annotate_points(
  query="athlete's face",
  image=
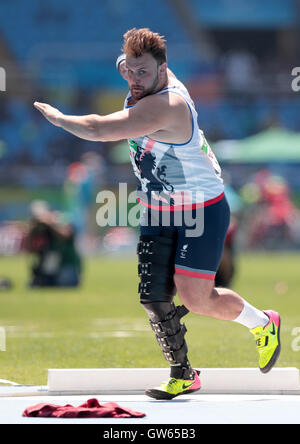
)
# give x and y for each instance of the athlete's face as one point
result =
(145, 76)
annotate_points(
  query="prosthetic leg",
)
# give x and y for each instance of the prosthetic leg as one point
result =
(157, 290)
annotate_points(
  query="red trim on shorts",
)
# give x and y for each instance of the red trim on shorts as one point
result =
(193, 206)
(195, 274)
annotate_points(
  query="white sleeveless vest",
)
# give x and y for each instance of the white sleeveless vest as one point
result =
(171, 175)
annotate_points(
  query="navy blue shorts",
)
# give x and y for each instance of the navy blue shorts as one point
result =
(199, 246)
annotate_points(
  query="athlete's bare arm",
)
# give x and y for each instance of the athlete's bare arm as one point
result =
(161, 115)
(146, 117)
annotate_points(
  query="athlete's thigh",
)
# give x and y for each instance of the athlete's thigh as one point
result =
(200, 256)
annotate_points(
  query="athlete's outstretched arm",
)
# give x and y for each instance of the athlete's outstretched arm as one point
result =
(150, 114)
(80, 126)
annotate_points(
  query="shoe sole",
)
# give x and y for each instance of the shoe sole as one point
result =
(276, 353)
(159, 394)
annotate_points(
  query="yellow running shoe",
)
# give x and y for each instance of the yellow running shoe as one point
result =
(268, 341)
(174, 387)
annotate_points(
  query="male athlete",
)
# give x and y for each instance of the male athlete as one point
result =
(178, 175)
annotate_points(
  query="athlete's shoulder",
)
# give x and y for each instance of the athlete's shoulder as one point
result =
(168, 109)
(157, 102)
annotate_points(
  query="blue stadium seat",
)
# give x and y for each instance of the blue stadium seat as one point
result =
(72, 46)
(43, 25)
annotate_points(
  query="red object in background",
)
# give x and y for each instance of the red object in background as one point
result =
(231, 232)
(77, 172)
(12, 238)
(90, 409)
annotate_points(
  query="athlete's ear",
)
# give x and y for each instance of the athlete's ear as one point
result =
(163, 68)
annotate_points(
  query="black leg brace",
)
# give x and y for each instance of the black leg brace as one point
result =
(165, 322)
(157, 290)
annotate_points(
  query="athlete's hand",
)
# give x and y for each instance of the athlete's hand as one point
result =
(51, 114)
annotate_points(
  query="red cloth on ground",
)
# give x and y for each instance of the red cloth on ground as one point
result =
(90, 409)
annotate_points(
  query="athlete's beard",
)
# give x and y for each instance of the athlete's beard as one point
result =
(145, 92)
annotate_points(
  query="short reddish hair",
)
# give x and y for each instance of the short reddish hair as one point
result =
(140, 41)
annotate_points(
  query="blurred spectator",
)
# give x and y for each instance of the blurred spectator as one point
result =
(273, 218)
(52, 242)
(241, 71)
(80, 189)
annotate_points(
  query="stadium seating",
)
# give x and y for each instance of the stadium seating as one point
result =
(68, 47)
(82, 41)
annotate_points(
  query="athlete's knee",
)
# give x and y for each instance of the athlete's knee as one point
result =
(193, 287)
(196, 294)
(156, 256)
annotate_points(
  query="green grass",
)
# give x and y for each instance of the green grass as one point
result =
(101, 324)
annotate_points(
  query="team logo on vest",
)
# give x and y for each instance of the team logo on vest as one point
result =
(132, 144)
(148, 172)
(183, 251)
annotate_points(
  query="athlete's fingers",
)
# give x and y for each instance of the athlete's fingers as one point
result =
(48, 112)
(41, 106)
(41, 103)
(45, 108)
(38, 104)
